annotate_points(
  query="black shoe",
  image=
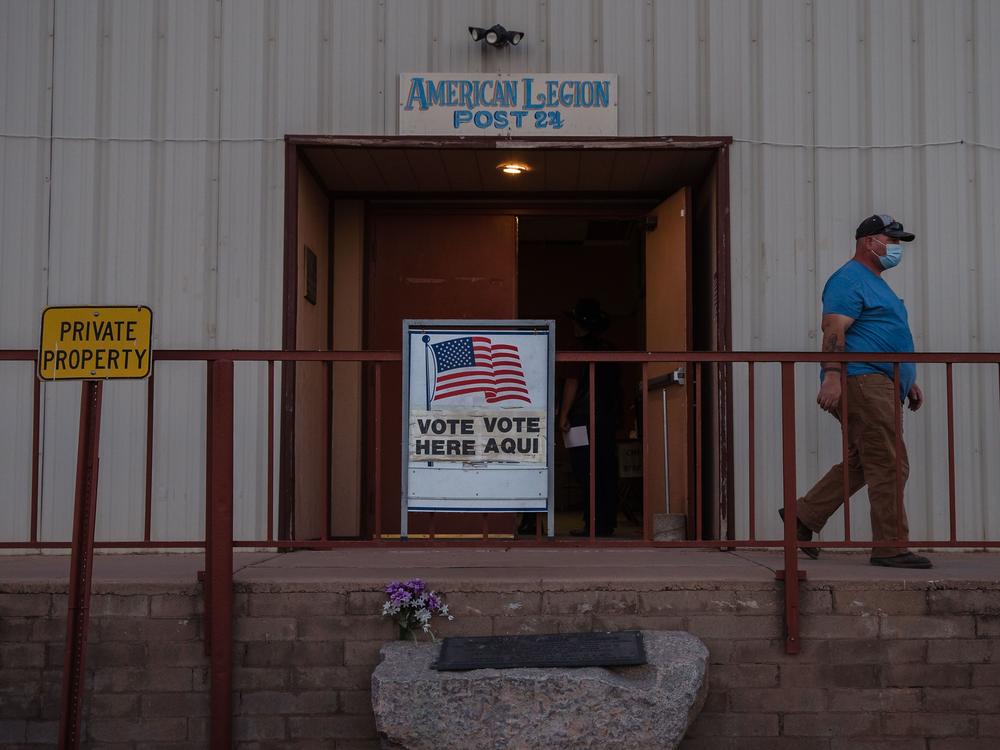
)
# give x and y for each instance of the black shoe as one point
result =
(905, 560)
(526, 528)
(804, 534)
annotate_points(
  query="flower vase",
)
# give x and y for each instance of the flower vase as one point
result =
(406, 634)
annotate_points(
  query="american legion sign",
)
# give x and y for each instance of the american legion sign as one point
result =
(534, 104)
(477, 416)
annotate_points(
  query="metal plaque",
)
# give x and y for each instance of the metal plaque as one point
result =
(620, 649)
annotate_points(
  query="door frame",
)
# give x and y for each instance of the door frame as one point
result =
(294, 152)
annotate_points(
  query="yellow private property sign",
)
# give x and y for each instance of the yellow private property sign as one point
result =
(95, 343)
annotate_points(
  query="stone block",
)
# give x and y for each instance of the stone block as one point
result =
(734, 725)
(114, 705)
(589, 602)
(180, 606)
(251, 678)
(25, 605)
(496, 604)
(957, 601)
(764, 626)
(265, 629)
(15, 629)
(988, 626)
(637, 622)
(962, 700)
(129, 680)
(532, 625)
(954, 651)
(870, 602)
(112, 605)
(12, 730)
(296, 605)
(871, 651)
(117, 654)
(175, 704)
(177, 654)
(989, 726)
(649, 706)
(830, 675)
(365, 602)
(928, 626)
(838, 626)
(741, 676)
(962, 743)
(925, 725)
(332, 727)
(43, 733)
(928, 675)
(133, 730)
(22, 656)
(768, 700)
(986, 675)
(288, 702)
(830, 725)
(355, 701)
(681, 602)
(355, 628)
(258, 728)
(877, 699)
(332, 678)
(359, 653)
(144, 629)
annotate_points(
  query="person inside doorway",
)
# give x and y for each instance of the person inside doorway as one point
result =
(590, 322)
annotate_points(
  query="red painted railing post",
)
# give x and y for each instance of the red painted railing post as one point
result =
(219, 549)
(81, 563)
(791, 572)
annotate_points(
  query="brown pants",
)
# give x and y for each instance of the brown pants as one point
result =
(871, 460)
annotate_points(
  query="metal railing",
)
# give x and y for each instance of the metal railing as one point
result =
(219, 541)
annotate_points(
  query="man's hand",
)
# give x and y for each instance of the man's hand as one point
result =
(829, 392)
(916, 397)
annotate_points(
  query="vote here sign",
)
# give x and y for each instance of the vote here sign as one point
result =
(95, 343)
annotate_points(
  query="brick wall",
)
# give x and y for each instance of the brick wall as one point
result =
(880, 666)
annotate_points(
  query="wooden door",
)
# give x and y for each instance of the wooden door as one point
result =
(668, 328)
(461, 266)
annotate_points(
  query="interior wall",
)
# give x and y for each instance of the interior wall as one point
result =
(348, 329)
(311, 395)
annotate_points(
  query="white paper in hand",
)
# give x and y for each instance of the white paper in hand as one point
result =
(576, 437)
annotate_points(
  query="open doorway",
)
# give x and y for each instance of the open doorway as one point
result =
(640, 226)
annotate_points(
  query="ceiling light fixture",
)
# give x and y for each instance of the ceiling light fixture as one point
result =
(513, 168)
(496, 36)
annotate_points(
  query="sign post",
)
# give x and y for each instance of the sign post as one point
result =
(478, 416)
(89, 344)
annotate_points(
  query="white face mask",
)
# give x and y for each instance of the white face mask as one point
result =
(893, 254)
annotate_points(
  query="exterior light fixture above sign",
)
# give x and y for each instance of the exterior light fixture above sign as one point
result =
(513, 168)
(496, 36)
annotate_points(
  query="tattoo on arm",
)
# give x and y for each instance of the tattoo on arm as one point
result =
(833, 342)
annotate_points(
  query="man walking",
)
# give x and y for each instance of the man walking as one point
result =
(861, 313)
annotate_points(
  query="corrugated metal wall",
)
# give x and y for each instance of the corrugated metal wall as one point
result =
(141, 160)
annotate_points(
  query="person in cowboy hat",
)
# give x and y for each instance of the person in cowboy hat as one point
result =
(590, 321)
(861, 313)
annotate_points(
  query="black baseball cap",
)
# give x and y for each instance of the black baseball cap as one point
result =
(883, 224)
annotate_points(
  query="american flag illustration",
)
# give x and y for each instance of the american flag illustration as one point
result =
(474, 364)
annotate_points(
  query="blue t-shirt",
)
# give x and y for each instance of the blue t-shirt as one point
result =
(880, 320)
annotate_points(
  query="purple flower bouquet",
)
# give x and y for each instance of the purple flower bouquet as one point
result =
(412, 606)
